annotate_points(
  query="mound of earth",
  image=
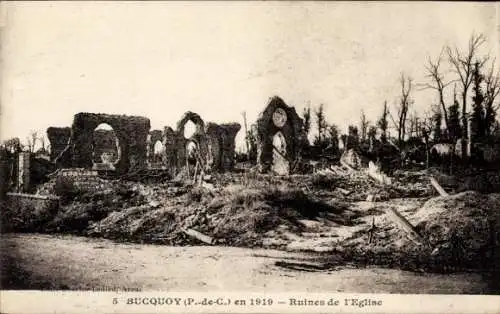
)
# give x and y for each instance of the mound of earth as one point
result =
(459, 232)
(236, 215)
(462, 228)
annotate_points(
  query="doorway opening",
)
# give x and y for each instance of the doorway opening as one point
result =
(280, 164)
(105, 148)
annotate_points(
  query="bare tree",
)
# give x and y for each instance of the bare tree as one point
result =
(33, 137)
(42, 142)
(383, 123)
(13, 145)
(321, 124)
(414, 125)
(426, 129)
(333, 136)
(372, 132)
(436, 120)
(492, 81)
(404, 105)
(306, 114)
(29, 144)
(363, 125)
(438, 83)
(463, 66)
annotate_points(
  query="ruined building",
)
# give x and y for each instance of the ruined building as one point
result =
(213, 144)
(127, 144)
(125, 150)
(169, 146)
(280, 137)
(105, 147)
(221, 144)
(156, 154)
(59, 139)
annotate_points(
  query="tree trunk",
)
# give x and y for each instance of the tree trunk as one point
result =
(427, 153)
(464, 124)
(453, 148)
(445, 112)
(469, 138)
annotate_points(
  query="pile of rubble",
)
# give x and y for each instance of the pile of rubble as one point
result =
(251, 209)
(445, 233)
(360, 185)
(235, 215)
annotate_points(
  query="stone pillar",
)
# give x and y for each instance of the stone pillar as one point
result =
(23, 180)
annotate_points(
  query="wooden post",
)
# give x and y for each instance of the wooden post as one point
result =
(438, 187)
(371, 231)
(404, 225)
(198, 235)
(343, 163)
(195, 171)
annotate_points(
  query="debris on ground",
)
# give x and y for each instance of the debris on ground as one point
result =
(359, 215)
(456, 232)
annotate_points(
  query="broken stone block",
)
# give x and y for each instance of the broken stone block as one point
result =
(352, 159)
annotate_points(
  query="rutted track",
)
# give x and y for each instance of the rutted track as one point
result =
(33, 261)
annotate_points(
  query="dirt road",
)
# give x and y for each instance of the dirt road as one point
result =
(32, 261)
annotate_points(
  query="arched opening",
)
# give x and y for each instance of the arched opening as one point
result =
(158, 151)
(191, 152)
(106, 148)
(189, 129)
(280, 165)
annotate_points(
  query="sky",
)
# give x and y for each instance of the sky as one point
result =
(218, 59)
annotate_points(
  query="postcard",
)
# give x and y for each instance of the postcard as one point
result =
(249, 157)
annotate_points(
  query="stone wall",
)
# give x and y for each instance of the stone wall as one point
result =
(229, 144)
(170, 146)
(155, 160)
(221, 145)
(83, 179)
(131, 131)
(105, 142)
(199, 138)
(59, 139)
(291, 129)
(215, 143)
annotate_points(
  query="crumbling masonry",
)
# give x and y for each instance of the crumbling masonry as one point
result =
(280, 137)
(74, 147)
(155, 161)
(215, 143)
(131, 131)
(59, 139)
(130, 144)
(221, 144)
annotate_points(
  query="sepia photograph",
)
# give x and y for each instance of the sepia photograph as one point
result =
(250, 146)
